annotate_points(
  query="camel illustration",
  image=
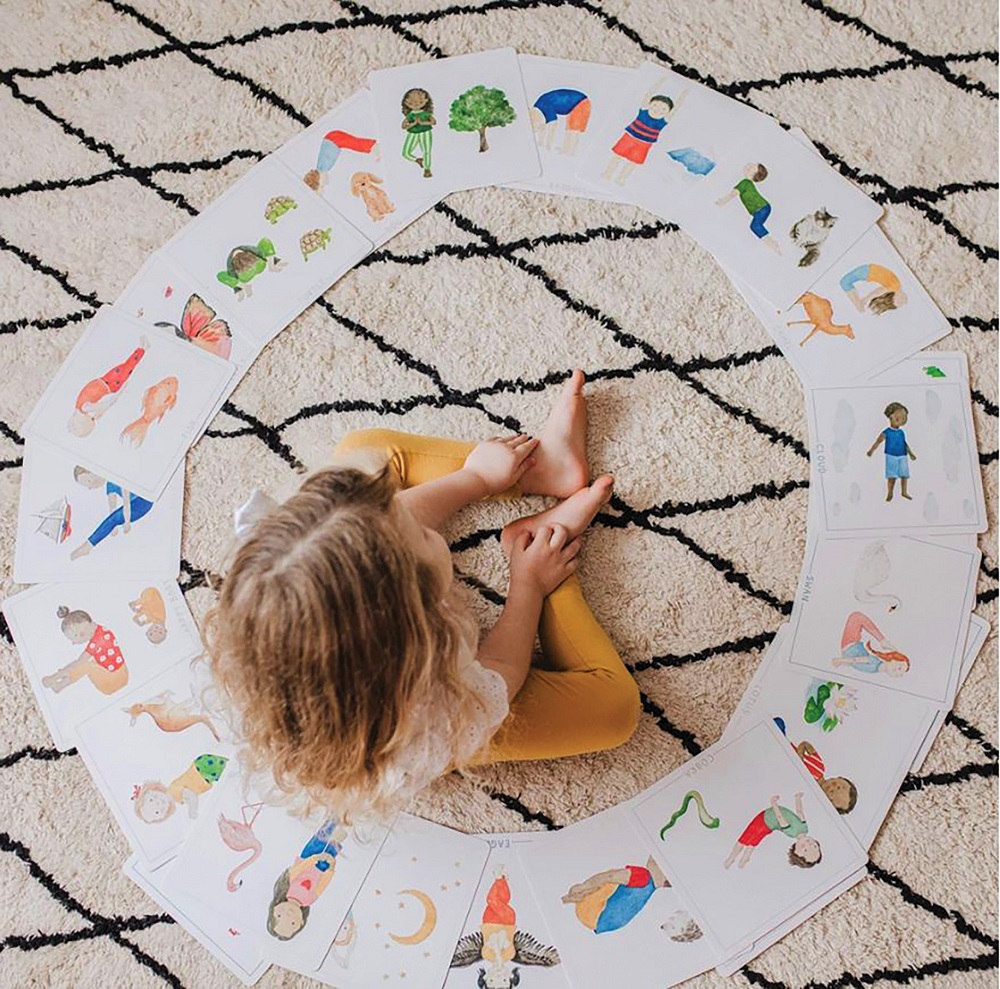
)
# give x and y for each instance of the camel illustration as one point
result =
(239, 836)
(819, 315)
(874, 569)
(171, 715)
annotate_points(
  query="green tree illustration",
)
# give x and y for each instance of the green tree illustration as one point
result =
(479, 108)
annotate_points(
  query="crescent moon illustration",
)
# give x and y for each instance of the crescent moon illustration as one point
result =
(426, 929)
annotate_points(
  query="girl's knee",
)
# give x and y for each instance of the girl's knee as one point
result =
(366, 439)
(621, 711)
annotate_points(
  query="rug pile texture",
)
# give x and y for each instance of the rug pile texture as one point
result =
(121, 120)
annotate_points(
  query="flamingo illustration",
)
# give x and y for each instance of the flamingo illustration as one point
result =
(873, 569)
(239, 836)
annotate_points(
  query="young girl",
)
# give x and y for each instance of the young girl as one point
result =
(101, 661)
(418, 121)
(857, 651)
(349, 656)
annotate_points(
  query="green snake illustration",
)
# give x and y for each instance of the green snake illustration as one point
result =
(703, 815)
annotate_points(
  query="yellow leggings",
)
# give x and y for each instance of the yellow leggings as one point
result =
(581, 698)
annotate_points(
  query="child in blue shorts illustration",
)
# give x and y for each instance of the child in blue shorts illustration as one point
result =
(754, 203)
(897, 452)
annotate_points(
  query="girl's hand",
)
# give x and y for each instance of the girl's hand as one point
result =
(544, 560)
(499, 462)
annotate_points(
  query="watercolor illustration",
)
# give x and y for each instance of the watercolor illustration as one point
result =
(829, 703)
(97, 396)
(810, 233)
(887, 294)
(154, 803)
(427, 925)
(304, 881)
(703, 815)
(754, 203)
(368, 188)
(858, 652)
(345, 942)
(934, 372)
(170, 715)
(418, 123)
(609, 900)
(277, 207)
(805, 851)
(692, 160)
(819, 315)
(872, 570)
(239, 837)
(333, 144)
(314, 240)
(478, 109)
(898, 453)
(150, 613)
(499, 943)
(201, 326)
(245, 263)
(124, 508)
(840, 791)
(101, 661)
(157, 401)
(55, 521)
(569, 105)
(632, 148)
(681, 927)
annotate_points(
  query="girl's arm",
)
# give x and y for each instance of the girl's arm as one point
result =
(538, 565)
(878, 442)
(127, 509)
(798, 808)
(492, 467)
(909, 450)
(580, 890)
(782, 820)
(725, 199)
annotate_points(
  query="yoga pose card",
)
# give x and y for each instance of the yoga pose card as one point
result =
(156, 754)
(454, 123)
(569, 105)
(240, 953)
(857, 741)
(83, 643)
(340, 158)
(865, 314)
(898, 453)
(266, 249)
(403, 926)
(892, 612)
(506, 939)
(610, 907)
(74, 524)
(748, 839)
(128, 401)
(286, 880)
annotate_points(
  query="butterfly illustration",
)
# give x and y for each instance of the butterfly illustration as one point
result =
(200, 326)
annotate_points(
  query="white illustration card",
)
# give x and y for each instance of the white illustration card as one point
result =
(340, 157)
(892, 612)
(454, 123)
(285, 880)
(403, 926)
(610, 907)
(866, 313)
(84, 643)
(898, 453)
(240, 953)
(661, 138)
(747, 838)
(506, 940)
(266, 249)
(129, 400)
(837, 728)
(569, 104)
(156, 755)
(74, 524)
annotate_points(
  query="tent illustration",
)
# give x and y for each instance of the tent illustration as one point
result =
(53, 521)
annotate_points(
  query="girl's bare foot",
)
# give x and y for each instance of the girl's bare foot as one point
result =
(576, 513)
(561, 458)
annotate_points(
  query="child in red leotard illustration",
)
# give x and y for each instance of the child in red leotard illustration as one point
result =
(97, 396)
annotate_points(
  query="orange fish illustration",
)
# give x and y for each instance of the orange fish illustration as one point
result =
(157, 401)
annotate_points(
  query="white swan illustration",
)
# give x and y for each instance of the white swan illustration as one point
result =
(873, 569)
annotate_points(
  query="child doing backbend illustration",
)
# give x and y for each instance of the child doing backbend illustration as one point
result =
(611, 899)
(887, 295)
(101, 661)
(804, 852)
(857, 651)
(97, 396)
(402, 689)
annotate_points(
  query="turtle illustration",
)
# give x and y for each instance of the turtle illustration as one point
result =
(313, 240)
(245, 263)
(277, 207)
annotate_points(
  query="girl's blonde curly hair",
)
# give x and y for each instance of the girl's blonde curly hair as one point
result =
(335, 645)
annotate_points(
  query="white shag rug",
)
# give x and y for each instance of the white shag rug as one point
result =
(121, 119)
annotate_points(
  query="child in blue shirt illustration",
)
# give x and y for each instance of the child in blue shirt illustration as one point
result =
(897, 452)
